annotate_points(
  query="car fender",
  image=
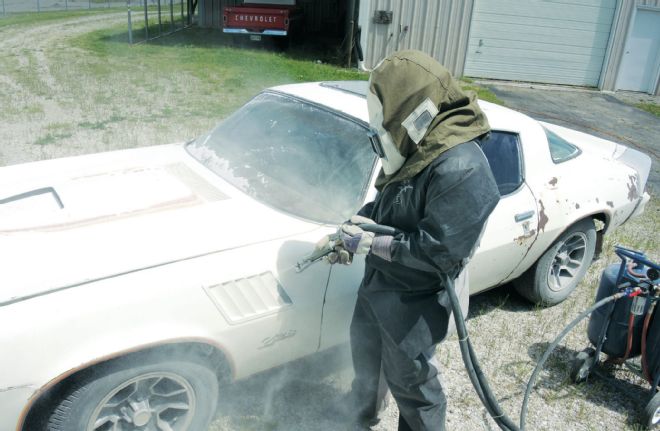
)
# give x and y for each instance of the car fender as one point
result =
(146, 305)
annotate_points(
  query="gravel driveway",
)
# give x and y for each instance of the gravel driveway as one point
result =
(44, 115)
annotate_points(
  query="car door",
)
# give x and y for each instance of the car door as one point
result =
(513, 225)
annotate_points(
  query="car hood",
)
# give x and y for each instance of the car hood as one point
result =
(67, 222)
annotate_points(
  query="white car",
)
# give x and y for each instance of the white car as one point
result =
(134, 281)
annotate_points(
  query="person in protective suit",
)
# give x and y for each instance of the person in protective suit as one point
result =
(437, 189)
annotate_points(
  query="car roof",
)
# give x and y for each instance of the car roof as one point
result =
(348, 97)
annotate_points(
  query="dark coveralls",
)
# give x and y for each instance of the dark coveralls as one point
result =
(402, 311)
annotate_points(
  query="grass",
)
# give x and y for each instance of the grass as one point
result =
(483, 93)
(30, 18)
(649, 107)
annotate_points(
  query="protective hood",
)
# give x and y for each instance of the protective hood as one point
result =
(421, 110)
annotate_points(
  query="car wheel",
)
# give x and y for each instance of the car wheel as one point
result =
(651, 413)
(559, 270)
(171, 395)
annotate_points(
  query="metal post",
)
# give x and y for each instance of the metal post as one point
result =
(66, 4)
(89, 4)
(108, 3)
(130, 24)
(171, 16)
(38, 6)
(183, 23)
(160, 23)
(3, 8)
(146, 21)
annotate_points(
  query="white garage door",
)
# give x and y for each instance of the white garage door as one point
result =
(560, 42)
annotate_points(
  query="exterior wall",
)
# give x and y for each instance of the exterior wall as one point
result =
(620, 30)
(437, 27)
(210, 12)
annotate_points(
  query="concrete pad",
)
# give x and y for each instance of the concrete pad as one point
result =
(589, 111)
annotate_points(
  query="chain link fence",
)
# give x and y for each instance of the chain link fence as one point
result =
(17, 6)
(147, 19)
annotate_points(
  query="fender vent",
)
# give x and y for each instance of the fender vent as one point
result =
(249, 298)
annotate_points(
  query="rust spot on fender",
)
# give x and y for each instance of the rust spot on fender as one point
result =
(597, 200)
(521, 239)
(632, 188)
(610, 204)
(553, 181)
(577, 206)
(543, 219)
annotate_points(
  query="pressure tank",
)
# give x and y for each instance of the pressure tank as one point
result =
(653, 346)
(617, 333)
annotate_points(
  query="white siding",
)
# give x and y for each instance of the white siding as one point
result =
(437, 27)
(553, 41)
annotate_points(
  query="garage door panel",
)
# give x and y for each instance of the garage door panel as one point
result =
(545, 70)
(530, 47)
(488, 31)
(568, 79)
(504, 20)
(549, 10)
(505, 4)
(564, 60)
(562, 42)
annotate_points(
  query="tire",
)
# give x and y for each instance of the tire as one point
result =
(582, 364)
(651, 414)
(559, 270)
(140, 397)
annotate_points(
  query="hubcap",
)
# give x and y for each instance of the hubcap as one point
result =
(568, 261)
(151, 402)
(656, 416)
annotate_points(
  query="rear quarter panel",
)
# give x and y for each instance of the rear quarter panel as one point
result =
(591, 183)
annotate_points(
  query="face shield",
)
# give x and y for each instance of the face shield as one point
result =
(381, 140)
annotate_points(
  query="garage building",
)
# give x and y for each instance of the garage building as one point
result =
(609, 44)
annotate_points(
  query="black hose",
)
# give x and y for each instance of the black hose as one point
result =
(472, 366)
(567, 329)
(477, 376)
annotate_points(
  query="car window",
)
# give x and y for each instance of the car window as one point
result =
(502, 149)
(292, 155)
(560, 149)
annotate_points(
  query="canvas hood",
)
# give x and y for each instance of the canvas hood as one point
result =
(406, 82)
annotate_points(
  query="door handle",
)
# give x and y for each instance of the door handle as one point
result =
(524, 216)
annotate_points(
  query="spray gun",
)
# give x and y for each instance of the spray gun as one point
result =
(334, 240)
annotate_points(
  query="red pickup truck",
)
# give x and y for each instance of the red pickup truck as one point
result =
(262, 19)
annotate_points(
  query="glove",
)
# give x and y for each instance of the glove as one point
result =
(337, 255)
(354, 239)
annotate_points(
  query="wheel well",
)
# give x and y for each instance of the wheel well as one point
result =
(201, 353)
(601, 221)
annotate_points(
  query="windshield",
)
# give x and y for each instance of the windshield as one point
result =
(292, 156)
